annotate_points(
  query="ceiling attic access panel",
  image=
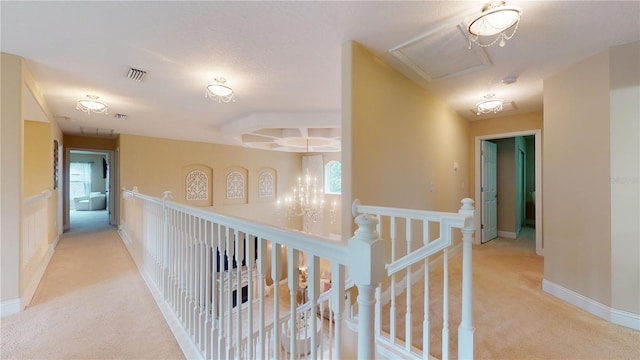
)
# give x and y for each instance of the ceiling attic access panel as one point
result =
(441, 54)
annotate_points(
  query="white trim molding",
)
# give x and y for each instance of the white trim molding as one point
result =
(37, 277)
(618, 317)
(10, 307)
(15, 306)
(506, 234)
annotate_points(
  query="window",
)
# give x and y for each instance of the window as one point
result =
(333, 178)
(79, 179)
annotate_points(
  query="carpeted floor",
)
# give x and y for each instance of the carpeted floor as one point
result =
(91, 304)
(514, 318)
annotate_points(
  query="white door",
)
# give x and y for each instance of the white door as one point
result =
(489, 191)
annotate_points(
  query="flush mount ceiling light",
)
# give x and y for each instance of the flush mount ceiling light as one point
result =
(496, 18)
(217, 90)
(489, 105)
(91, 105)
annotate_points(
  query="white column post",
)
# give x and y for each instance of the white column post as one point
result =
(466, 343)
(367, 270)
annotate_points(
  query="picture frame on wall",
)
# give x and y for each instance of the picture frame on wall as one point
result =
(55, 164)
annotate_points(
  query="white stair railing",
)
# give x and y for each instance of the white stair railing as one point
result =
(211, 272)
(414, 239)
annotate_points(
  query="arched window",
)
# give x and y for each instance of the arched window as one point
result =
(333, 178)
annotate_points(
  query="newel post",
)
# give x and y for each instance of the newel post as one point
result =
(165, 243)
(367, 254)
(466, 343)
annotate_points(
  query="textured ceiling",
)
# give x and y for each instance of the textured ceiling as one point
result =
(280, 57)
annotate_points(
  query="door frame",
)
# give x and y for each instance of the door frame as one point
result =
(478, 181)
(114, 194)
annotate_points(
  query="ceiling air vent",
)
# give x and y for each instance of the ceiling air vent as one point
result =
(136, 74)
(120, 116)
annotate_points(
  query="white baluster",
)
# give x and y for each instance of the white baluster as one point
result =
(262, 269)
(239, 249)
(251, 250)
(229, 289)
(425, 323)
(276, 275)
(208, 291)
(445, 302)
(314, 291)
(222, 346)
(201, 274)
(407, 318)
(392, 309)
(337, 305)
(189, 267)
(293, 278)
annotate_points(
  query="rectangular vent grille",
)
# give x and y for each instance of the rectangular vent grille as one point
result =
(136, 74)
(97, 132)
(120, 116)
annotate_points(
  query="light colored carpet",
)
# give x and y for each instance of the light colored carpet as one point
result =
(514, 318)
(87, 221)
(91, 304)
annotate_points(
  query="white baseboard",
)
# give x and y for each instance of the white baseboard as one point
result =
(417, 275)
(35, 280)
(10, 307)
(625, 318)
(591, 306)
(189, 349)
(507, 234)
(15, 306)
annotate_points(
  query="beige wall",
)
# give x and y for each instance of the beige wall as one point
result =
(625, 177)
(576, 170)
(402, 140)
(10, 175)
(38, 158)
(155, 165)
(27, 169)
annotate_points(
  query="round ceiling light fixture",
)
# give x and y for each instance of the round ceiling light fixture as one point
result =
(490, 104)
(495, 19)
(91, 105)
(217, 90)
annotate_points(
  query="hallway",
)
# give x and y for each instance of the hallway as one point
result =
(91, 304)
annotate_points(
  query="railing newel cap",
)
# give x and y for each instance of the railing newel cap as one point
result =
(354, 207)
(467, 204)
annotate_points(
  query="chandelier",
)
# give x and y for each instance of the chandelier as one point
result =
(489, 105)
(306, 199)
(91, 105)
(495, 19)
(217, 90)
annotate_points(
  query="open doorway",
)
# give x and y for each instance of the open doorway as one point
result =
(518, 202)
(90, 200)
